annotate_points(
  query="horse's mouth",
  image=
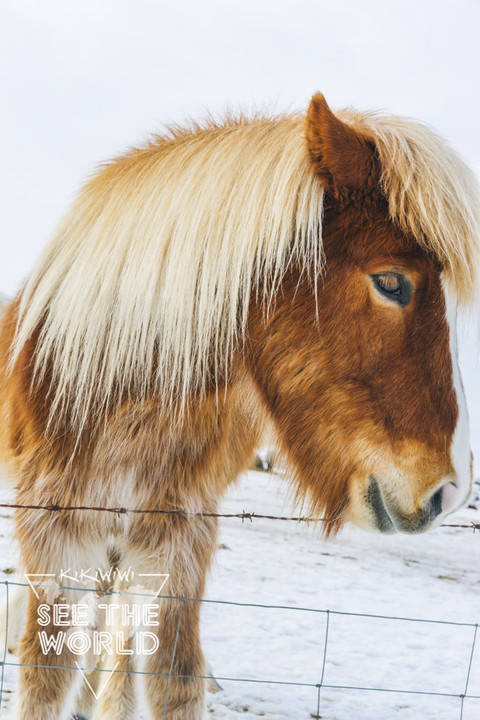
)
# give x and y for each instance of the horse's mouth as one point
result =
(389, 520)
(374, 500)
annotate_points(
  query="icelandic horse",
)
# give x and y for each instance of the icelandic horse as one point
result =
(303, 270)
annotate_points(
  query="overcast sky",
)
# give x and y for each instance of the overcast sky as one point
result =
(83, 79)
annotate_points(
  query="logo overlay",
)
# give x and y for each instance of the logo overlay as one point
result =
(103, 622)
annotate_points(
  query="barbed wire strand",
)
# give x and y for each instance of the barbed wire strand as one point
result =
(244, 515)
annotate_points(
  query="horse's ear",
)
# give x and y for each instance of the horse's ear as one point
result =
(340, 155)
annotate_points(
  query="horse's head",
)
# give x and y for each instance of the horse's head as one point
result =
(361, 376)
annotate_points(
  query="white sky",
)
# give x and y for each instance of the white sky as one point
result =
(83, 79)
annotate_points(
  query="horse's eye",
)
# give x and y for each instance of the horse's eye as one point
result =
(393, 286)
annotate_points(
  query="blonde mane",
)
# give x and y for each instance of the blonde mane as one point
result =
(148, 278)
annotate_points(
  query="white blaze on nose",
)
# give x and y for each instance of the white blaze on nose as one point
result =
(460, 447)
(450, 497)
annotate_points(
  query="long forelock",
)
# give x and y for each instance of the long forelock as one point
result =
(148, 279)
(432, 194)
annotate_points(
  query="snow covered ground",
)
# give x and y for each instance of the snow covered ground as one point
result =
(434, 576)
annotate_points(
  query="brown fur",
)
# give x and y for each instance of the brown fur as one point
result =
(348, 380)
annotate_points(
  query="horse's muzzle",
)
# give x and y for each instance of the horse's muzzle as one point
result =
(390, 520)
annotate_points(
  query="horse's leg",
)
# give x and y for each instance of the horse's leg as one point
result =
(196, 467)
(85, 704)
(44, 693)
(49, 680)
(182, 548)
(116, 692)
(191, 544)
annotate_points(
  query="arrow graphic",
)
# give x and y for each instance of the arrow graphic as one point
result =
(27, 577)
(97, 695)
(165, 577)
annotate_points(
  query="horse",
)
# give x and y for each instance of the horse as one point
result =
(301, 270)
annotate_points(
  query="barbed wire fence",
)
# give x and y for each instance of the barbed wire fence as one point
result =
(243, 515)
(461, 695)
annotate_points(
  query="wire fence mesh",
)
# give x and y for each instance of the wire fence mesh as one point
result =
(322, 682)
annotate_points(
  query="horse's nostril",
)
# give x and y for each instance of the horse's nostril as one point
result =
(436, 503)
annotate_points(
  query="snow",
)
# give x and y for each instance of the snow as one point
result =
(435, 576)
(84, 85)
